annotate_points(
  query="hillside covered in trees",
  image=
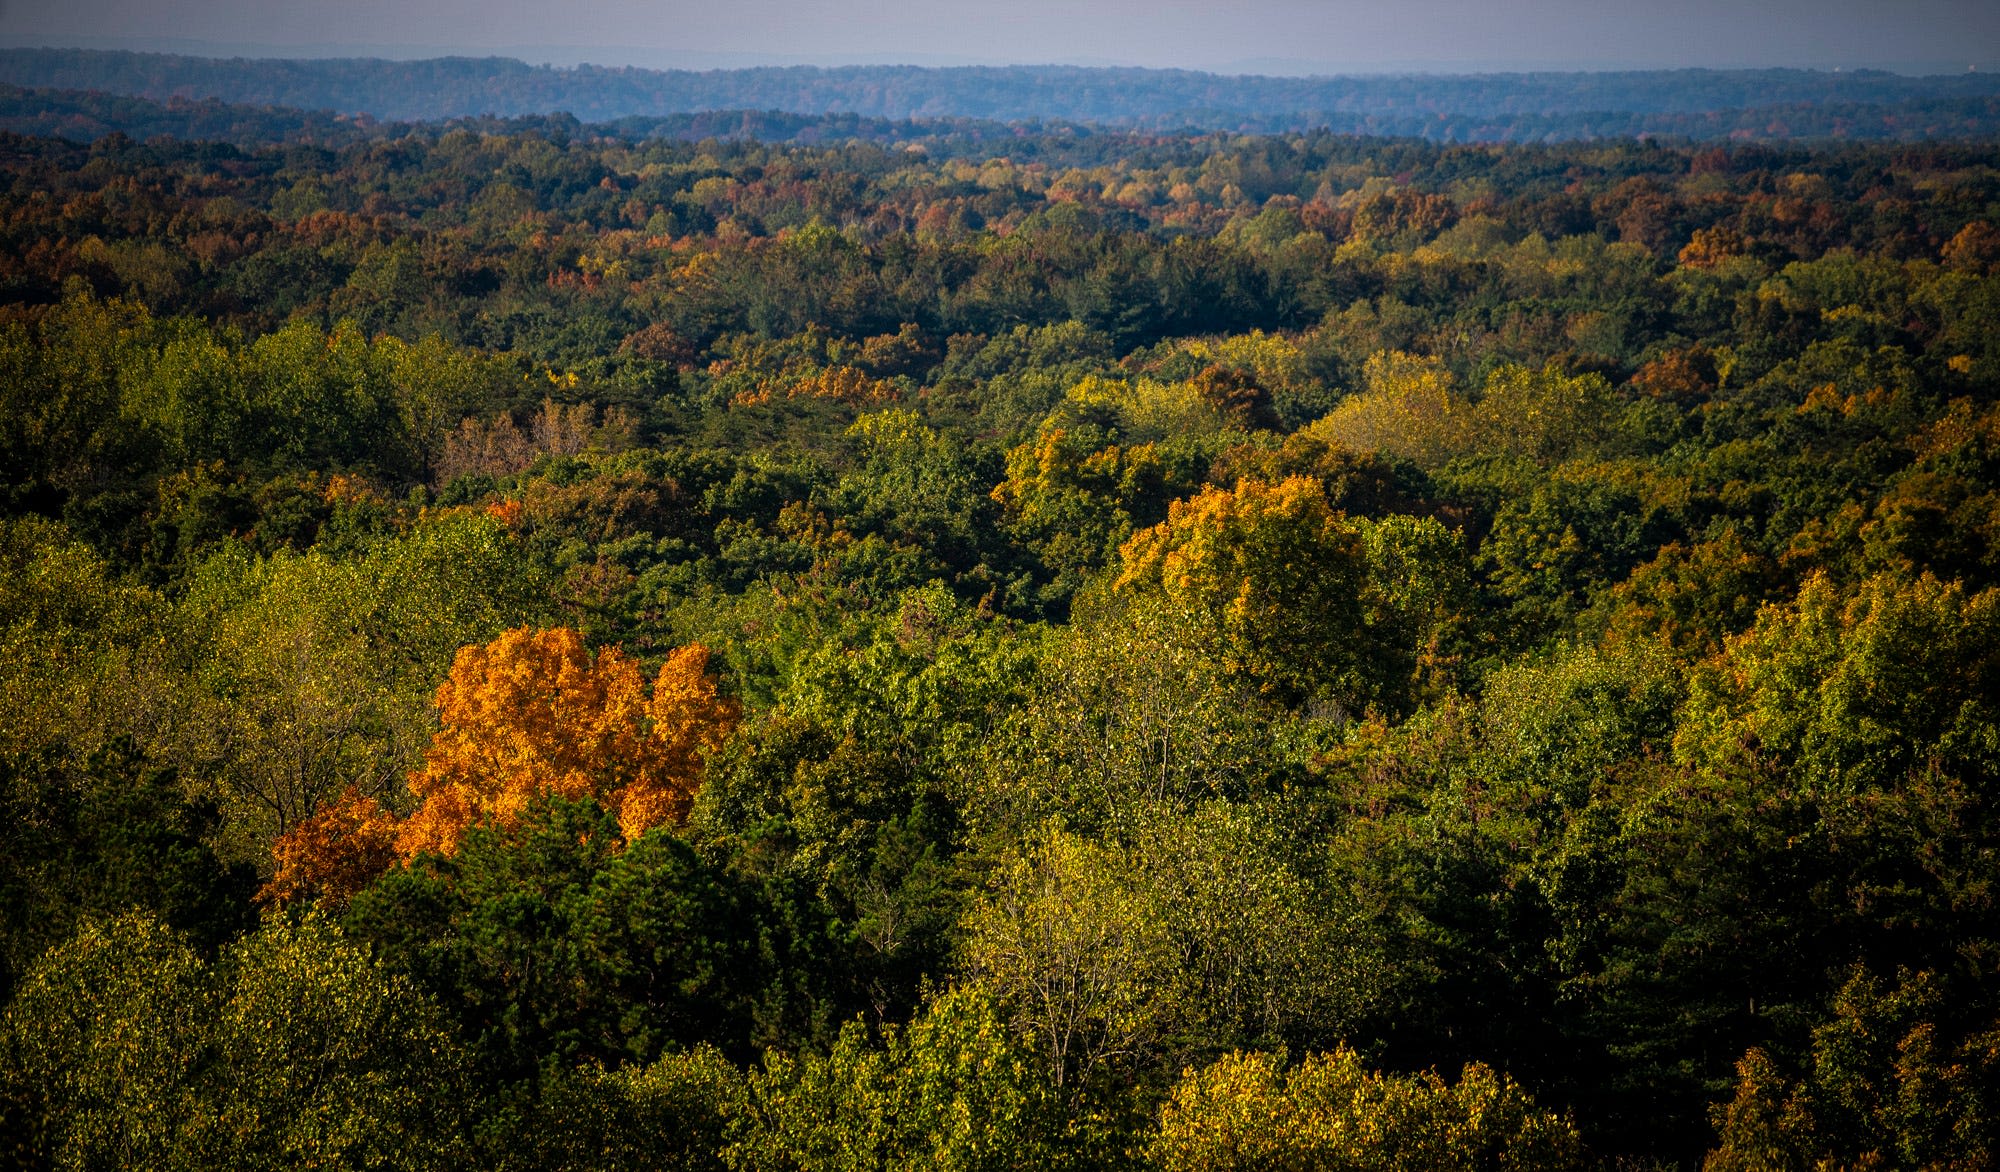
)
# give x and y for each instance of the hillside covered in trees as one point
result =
(1502, 107)
(526, 645)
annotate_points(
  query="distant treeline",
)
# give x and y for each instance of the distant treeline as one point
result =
(1763, 104)
(89, 115)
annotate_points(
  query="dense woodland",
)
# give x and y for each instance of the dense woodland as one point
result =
(1516, 107)
(559, 650)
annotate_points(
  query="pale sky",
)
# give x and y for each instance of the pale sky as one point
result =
(1272, 36)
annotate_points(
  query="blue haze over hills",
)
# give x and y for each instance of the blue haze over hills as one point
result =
(1772, 103)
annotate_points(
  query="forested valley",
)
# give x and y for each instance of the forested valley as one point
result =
(538, 648)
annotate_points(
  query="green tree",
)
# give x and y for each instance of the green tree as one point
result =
(322, 1057)
(117, 835)
(553, 941)
(1071, 943)
(312, 674)
(105, 1039)
(293, 1048)
(955, 1091)
(1899, 1076)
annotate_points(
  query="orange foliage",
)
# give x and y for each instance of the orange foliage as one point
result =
(1680, 377)
(531, 713)
(351, 490)
(334, 853)
(507, 512)
(1975, 249)
(840, 384)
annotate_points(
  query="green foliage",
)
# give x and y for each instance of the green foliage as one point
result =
(1855, 690)
(104, 1039)
(955, 1091)
(1189, 932)
(1190, 598)
(673, 1112)
(1300, 602)
(313, 674)
(1128, 706)
(121, 836)
(553, 945)
(1072, 943)
(71, 636)
(330, 1059)
(1894, 1079)
(293, 1048)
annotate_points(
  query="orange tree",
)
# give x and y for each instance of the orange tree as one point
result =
(532, 713)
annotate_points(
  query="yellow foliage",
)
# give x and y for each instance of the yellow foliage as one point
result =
(1148, 409)
(1246, 1111)
(1050, 467)
(840, 384)
(1273, 569)
(1409, 409)
(1711, 246)
(1275, 360)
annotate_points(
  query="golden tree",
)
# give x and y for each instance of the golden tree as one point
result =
(1275, 572)
(531, 713)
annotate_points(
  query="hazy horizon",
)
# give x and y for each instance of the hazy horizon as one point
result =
(1274, 37)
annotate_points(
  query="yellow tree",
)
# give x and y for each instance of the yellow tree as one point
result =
(1247, 1111)
(1276, 573)
(1408, 408)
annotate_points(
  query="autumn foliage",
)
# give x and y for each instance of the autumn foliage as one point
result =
(532, 713)
(1276, 572)
(334, 853)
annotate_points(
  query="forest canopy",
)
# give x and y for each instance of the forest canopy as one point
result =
(538, 646)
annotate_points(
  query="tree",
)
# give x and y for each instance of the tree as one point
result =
(70, 639)
(675, 1112)
(1280, 579)
(1130, 706)
(1071, 495)
(954, 1091)
(1246, 1111)
(1410, 409)
(435, 386)
(105, 1040)
(534, 712)
(553, 939)
(334, 853)
(292, 1050)
(1855, 690)
(1898, 1076)
(307, 676)
(530, 714)
(119, 835)
(321, 1057)
(1073, 945)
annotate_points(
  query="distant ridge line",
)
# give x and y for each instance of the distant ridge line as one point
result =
(1537, 106)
